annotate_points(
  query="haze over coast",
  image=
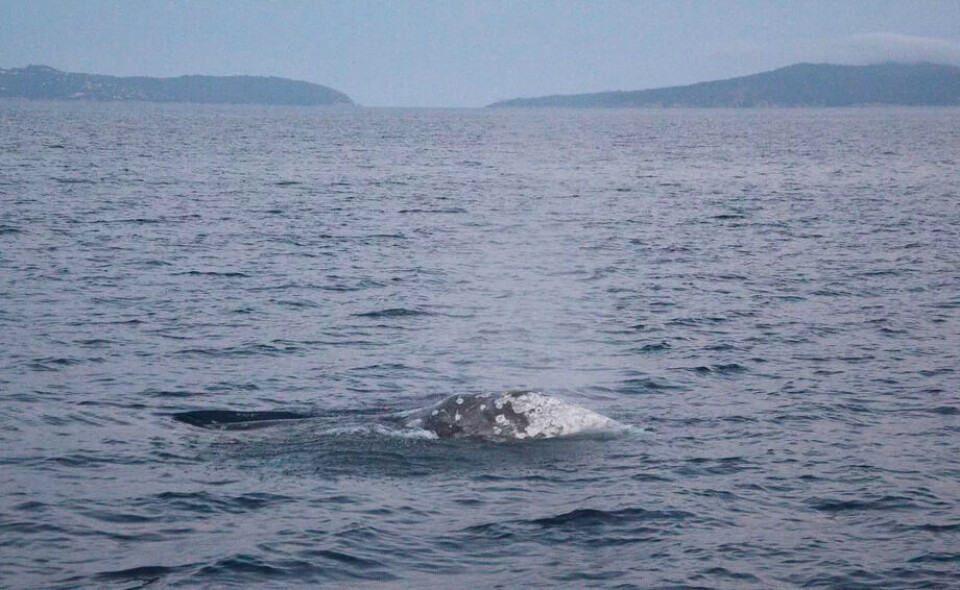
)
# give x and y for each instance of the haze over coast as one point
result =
(799, 85)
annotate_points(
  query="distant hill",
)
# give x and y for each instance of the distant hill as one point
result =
(800, 85)
(42, 82)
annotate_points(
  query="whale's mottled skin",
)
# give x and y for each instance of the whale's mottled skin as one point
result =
(514, 415)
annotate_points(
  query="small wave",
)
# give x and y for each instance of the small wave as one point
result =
(208, 503)
(133, 220)
(212, 273)
(240, 351)
(346, 558)
(937, 371)
(396, 312)
(397, 236)
(449, 211)
(339, 566)
(707, 467)
(63, 180)
(52, 363)
(118, 517)
(382, 368)
(297, 303)
(638, 385)
(144, 573)
(654, 348)
(883, 504)
(696, 321)
(344, 284)
(592, 526)
(592, 517)
(723, 572)
(95, 342)
(936, 558)
(939, 528)
(724, 369)
(31, 506)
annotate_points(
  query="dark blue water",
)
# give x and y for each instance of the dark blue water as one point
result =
(772, 298)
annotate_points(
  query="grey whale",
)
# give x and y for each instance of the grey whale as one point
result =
(512, 415)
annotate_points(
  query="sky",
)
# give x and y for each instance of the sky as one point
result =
(454, 53)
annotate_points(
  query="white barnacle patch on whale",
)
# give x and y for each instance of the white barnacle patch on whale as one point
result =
(514, 415)
(549, 417)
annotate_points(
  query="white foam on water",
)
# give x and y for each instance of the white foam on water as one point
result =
(379, 430)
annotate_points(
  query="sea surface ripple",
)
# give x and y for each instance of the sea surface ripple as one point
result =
(770, 297)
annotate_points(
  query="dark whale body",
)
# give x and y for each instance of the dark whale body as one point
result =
(477, 416)
(231, 420)
(514, 415)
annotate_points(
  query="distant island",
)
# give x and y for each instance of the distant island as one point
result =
(46, 83)
(800, 85)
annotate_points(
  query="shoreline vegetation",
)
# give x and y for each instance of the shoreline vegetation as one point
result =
(46, 83)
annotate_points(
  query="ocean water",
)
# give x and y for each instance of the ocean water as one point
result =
(770, 299)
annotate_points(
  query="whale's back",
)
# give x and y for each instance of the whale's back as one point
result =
(514, 415)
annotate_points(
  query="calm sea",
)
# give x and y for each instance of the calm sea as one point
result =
(770, 297)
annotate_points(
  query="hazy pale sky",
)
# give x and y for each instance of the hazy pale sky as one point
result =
(470, 53)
